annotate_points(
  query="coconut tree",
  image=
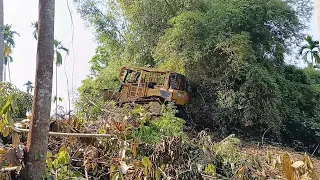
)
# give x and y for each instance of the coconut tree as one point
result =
(29, 86)
(310, 51)
(35, 32)
(58, 48)
(7, 59)
(9, 44)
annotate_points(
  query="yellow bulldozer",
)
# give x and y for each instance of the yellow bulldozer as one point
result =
(149, 86)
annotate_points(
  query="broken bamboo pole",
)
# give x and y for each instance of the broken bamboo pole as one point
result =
(58, 134)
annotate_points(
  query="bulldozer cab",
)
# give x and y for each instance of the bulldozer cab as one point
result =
(146, 84)
(177, 82)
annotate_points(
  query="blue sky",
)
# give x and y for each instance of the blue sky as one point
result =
(21, 13)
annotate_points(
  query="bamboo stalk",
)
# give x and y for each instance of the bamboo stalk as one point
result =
(57, 134)
(10, 169)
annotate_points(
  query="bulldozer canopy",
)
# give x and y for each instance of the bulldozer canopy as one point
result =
(165, 78)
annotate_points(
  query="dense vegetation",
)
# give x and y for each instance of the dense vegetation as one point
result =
(22, 101)
(233, 53)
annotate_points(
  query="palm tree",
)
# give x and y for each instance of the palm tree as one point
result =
(311, 49)
(57, 48)
(35, 32)
(9, 44)
(29, 87)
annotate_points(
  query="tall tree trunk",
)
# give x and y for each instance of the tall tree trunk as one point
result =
(69, 100)
(57, 93)
(318, 15)
(4, 73)
(1, 40)
(9, 72)
(37, 144)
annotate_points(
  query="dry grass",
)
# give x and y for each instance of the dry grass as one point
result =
(261, 152)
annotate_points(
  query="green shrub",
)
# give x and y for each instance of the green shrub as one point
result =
(23, 100)
(90, 101)
(167, 125)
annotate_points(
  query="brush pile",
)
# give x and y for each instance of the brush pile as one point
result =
(141, 146)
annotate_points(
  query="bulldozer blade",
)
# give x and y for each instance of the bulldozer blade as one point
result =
(109, 95)
(154, 107)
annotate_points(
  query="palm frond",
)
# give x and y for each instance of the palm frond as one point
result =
(35, 25)
(305, 56)
(65, 49)
(28, 83)
(11, 59)
(15, 32)
(56, 43)
(35, 32)
(309, 39)
(304, 47)
(35, 35)
(58, 58)
(7, 59)
(311, 42)
(7, 50)
(9, 36)
(315, 54)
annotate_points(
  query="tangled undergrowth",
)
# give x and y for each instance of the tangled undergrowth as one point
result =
(142, 146)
